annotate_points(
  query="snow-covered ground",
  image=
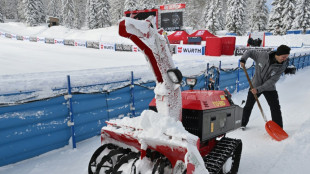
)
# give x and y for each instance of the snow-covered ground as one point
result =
(34, 66)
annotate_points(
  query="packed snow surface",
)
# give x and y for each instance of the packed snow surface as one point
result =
(34, 66)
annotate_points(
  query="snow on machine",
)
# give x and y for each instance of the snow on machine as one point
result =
(180, 133)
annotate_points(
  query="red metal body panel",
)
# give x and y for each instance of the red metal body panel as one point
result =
(201, 100)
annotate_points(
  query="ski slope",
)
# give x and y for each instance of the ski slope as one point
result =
(30, 66)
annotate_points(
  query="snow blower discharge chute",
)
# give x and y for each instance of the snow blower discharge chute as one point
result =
(181, 133)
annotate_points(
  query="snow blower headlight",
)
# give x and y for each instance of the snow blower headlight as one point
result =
(191, 81)
(175, 75)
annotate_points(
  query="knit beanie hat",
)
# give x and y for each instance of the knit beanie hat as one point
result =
(283, 49)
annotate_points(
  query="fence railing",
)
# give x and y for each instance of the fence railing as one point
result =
(30, 128)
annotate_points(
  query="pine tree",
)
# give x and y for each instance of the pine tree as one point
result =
(131, 5)
(68, 13)
(103, 14)
(288, 15)
(302, 15)
(1, 16)
(146, 4)
(235, 16)
(117, 10)
(259, 16)
(98, 14)
(193, 14)
(34, 12)
(53, 8)
(275, 18)
(212, 16)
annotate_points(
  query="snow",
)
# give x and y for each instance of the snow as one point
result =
(36, 66)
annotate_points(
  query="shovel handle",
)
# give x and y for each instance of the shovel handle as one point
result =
(255, 96)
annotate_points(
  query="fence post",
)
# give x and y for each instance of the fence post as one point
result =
(71, 122)
(207, 77)
(219, 73)
(303, 62)
(132, 105)
(238, 78)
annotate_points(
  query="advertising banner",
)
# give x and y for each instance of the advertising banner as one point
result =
(33, 39)
(172, 21)
(14, 37)
(59, 42)
(121, 47)
(18, 37)
(239, 51)
(190, 49)
(69, 42)
(26, 38)
(172, 6)
(92, 44)
(7, 35)
(49, 40)
(107, 46)
(79, 43)
(2, 34)
(41, 39)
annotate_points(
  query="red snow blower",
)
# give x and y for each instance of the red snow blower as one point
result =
(202, 118)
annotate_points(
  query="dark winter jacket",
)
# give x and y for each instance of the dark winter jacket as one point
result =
(267, 70)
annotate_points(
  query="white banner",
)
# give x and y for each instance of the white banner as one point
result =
(190, 49)
(41, 39)
(26, 38)
(2, 34)
(107, 46)
(59, 41)
(81, 44)
(14, 37)
(135, 49)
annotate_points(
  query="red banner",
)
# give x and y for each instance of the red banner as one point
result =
(172, 6)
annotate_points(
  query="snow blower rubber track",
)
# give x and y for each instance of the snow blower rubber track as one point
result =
(226, 148)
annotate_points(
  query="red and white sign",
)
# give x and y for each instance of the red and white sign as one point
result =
(172, 6)
(26, 38)
(135, 49)
(59, 41)
(41, 39)
(81, 44)
(2, 34)
(107, 46)
(13, 37)
(190, 49)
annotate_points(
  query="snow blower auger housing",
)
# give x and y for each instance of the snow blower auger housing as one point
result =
(182, 133)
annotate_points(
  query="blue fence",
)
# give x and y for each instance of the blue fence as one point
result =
(36, 127)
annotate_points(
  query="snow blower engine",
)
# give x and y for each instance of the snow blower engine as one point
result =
(181, 133)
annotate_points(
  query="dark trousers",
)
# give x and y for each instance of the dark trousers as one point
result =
(273, 102)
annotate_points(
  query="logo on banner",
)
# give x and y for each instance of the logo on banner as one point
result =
(200, 33)
(59, 41)
(135, 49)
(179, 49)
(172, 6)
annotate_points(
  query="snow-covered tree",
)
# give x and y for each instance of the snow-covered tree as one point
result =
(1, 16)
(53, 8)
(259, 16)
(194, 14)
(117, 10)
(275, 17)
(302, 15)
(98, 14)
(34, 12)
(235, 16)
(212, 13)
(131, 5)
(146, 4)
(103, 14)
(68, 13)
(288, 15)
